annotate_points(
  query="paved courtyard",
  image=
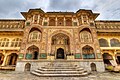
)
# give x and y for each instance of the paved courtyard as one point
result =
(12, 75)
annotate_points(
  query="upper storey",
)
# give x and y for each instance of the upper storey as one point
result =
(12, 24)
(38, 16)
(107, 26)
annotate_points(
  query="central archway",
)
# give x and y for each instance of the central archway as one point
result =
(60, 53)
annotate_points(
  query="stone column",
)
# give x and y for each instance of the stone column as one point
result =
(77, 22)
(82, 19)
(33, 18)
(108, 42)
(56, 21)
(4, 61)
(48, 21)
(72, 22)
(38, 21)
(43, 21)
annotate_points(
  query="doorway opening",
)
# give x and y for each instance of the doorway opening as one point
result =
(60, 53)
(27, 67)
(93, 67)
(118, 59)
(35, 55)
(12, 59)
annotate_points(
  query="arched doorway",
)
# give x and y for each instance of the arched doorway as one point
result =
(60, 45)
(1, 58)
(27, 67)
(88, 52)
(12, 59)
(106, 58)
(93, 67)
(33, 51)
(60, 53)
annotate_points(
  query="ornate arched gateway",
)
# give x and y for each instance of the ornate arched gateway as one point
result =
(60, 45)
(32, 52)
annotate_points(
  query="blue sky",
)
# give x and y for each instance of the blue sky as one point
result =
(108, 9)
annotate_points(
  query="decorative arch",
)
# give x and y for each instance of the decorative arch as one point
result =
(60, 31)
(4, 42)
(62, 42)
(32, 52)
(85, 36)
(16, 42)
(103, 42)
(60, 38)
(115, 42)
(85, 28)
(30, 29)
(1, 58)
(34, 36)
(88, 52)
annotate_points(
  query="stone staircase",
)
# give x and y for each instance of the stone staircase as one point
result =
(60, 69)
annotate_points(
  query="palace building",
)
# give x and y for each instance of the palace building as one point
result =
(66, 37)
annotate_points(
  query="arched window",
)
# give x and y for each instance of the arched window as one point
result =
(85, 37)
(88, 52)
(103, 43)
(114, 43)
(4, 42)
(60, 39)
(16, 42)
(35, 36)
(52, 22)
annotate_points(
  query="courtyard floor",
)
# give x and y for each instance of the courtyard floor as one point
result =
(12, 75)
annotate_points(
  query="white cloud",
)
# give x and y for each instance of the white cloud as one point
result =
(108, 9)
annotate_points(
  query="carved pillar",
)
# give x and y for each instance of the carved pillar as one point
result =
(43, 21)
(5, 58)
(82, 19)
(64, 22)
(38, 21)
(48, 21)
(56, 21)
(77, 22)
(72, 22)
(33, 18)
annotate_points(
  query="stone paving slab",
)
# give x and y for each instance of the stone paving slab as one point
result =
(12, 75)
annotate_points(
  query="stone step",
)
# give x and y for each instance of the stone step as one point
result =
(60, 75)
(60, 65)
(60, 72)
(61, 69)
